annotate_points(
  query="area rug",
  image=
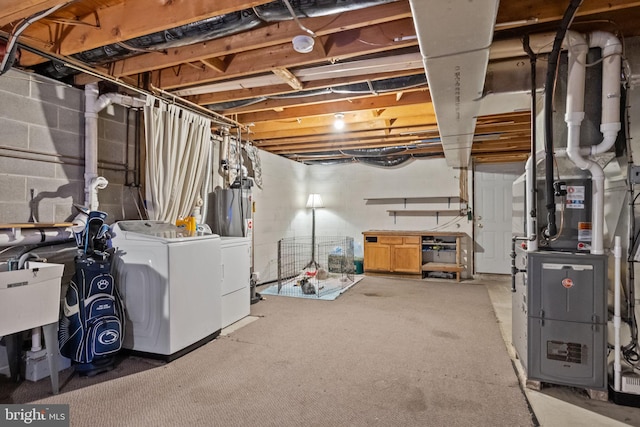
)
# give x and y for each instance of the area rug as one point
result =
(329, 289)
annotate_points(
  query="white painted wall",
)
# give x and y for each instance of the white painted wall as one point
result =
(280, 206)
(280, 210)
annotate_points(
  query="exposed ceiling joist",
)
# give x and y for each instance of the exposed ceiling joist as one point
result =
(370, 46)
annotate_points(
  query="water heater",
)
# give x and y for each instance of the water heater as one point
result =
(230, 210)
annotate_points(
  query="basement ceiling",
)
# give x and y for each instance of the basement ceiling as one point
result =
(236, 58)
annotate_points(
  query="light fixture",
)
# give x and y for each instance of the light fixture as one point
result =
(303, 43)
(338, 123)
(314, 201)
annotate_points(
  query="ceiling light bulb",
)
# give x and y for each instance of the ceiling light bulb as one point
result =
(303, 44)
(338, 123)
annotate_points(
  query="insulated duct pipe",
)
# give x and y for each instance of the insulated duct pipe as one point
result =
(93, 105)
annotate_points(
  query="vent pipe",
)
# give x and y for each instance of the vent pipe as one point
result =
(93, 105)
(610, 120)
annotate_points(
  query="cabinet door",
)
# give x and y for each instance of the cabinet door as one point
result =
(377, 257)
(406, 259)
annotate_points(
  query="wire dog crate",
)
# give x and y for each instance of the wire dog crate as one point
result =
(314, 266)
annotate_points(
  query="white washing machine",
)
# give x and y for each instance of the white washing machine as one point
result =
(170, 283)
(236, 276)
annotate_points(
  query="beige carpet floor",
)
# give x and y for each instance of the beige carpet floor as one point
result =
(388, 352)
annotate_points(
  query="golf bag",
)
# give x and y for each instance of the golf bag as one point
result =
(91, 328)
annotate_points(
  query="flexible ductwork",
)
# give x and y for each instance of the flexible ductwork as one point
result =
(276, 11)
(386, 161)
(372, 87)
(209, 29)
(10, 49)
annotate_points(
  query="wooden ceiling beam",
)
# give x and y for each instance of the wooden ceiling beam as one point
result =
(248, 93)
(288, 77)
(368, 103)
(545, 11)
(350, 127)
(14, 10)
(506, 141)
(129, 19)
(263, 37)
(408, 115)
(297, 102)
(217, 64)
(338, 145)
(265, 59)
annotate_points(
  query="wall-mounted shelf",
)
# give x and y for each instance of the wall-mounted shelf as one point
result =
(415, 199)
(437, 212)
(420, 212)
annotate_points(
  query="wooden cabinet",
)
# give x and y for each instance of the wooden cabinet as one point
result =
(396, 254)
(377, 256)
(412, 252)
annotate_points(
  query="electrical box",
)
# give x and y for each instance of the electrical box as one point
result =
(567, 319)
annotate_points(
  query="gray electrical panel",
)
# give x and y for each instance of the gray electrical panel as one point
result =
(567, 319)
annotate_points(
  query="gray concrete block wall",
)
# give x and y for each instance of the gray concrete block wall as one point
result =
(42, 147)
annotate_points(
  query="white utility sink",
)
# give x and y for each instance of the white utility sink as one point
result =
(29, 297)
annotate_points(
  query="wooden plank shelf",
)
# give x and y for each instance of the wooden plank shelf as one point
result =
(424, 211)
(421, 212)
(441, 266)
(429, 199)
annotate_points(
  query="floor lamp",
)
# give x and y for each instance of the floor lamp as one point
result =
(314, 201)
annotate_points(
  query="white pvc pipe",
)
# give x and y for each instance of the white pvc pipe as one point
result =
(30, 236)
(90, 140)
(36, 341)
(93, 105)
(610, 124)
(617, 368)
(578, 48)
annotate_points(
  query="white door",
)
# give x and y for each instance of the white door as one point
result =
(493, 201)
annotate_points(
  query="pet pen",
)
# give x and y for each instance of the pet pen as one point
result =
(314, 266)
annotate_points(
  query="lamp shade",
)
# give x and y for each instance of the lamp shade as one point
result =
(314, 201)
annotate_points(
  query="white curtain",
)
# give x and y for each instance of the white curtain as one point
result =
(178, 144)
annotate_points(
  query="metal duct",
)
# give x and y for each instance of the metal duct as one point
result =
(455, 45)
(277, 11)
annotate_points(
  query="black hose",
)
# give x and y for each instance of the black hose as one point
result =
(534, 185)
(554, 56)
